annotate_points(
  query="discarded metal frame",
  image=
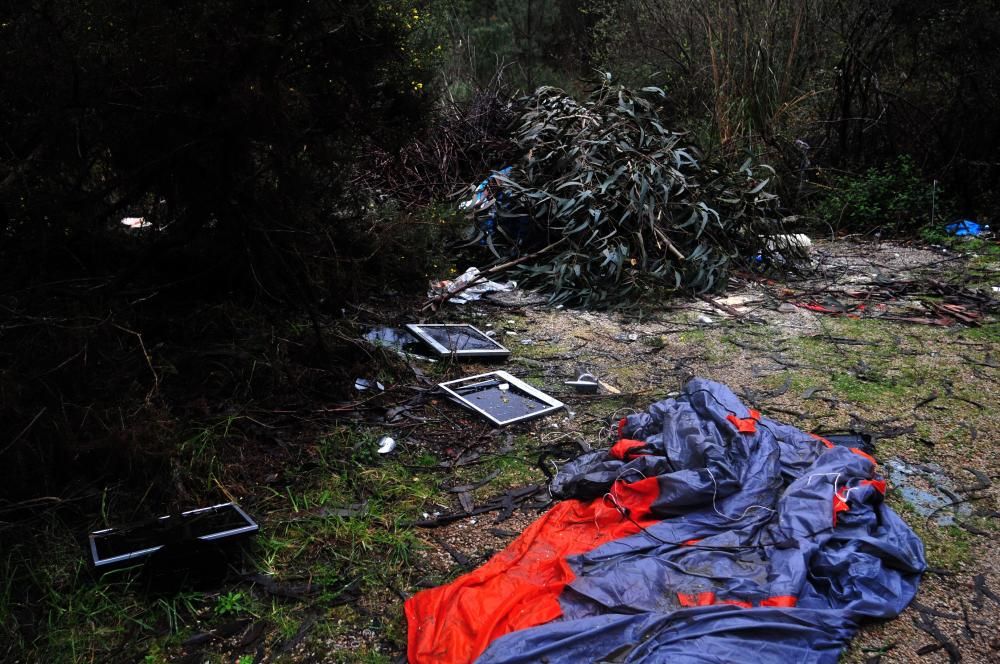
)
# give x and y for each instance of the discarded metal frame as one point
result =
(458, 339)
(500, 397)
(399, 341)
(218, 523)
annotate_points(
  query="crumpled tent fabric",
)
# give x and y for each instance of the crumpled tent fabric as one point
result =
(707, 533)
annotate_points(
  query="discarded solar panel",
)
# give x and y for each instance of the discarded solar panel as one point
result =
(399, 341)
(460, 340)
(500, 397)
(217, 524)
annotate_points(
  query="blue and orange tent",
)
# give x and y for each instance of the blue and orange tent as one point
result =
(707, 533)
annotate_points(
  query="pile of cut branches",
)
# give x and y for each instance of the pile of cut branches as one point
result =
(634, 208)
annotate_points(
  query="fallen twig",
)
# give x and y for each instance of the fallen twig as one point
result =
(506, 502)
(952, 504)
(925, 623)
(464, 561)
(721, 307)
(982, 590)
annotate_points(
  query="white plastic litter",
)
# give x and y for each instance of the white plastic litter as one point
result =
(386, 445)
(705, 319)
(136, 222)
(795, 243)
(472, 293)
(362, 384)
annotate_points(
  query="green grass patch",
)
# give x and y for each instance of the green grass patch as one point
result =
(693, 336)
(875, 391)
(797, 382)
(948, 547)
(988, 333)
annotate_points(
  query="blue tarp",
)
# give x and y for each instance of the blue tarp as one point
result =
(963, 228)
(719, 535)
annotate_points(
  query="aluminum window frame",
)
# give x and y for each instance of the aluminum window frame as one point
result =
(417, 330)
(250, 527)
(552, 404)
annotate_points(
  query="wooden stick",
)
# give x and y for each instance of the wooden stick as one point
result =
(721, 307)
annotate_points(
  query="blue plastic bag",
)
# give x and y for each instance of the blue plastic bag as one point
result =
(965, 227)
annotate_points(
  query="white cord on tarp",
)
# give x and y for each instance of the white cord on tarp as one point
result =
(715, 493)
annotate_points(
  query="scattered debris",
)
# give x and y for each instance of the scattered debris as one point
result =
(585, 383)
(796, 244)
(362, 384)
(136, 223)
(386, 445)
(399, 341)
(468, 287)
(433, 302)
(505, 504)
(964, 228)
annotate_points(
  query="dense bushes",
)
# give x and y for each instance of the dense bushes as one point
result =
(887, 199)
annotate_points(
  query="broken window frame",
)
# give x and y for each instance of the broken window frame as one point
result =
(103, 563)
(417, 330)
(551, 404)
